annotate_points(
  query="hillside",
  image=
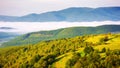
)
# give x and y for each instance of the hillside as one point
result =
(73, 14)
(32, 38)
(91, 51)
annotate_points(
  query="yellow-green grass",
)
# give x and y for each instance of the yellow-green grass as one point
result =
(112, 44)
(62, 60)
(94, 39)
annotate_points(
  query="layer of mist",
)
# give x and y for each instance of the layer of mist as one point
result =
(25, 27)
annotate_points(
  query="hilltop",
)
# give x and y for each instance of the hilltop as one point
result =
(34, 37)
(74, 14)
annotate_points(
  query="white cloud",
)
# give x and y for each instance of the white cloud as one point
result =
(25, 27)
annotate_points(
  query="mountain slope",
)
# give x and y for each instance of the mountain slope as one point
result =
(77, 52)
(32, 38)
(71, 15)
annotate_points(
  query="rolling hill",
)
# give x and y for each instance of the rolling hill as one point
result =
(91, 51)
(34, 37)
(74, 14)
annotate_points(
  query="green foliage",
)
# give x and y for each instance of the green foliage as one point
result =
(35, 59)
(95, 60)
(103, 50)
(44, 54)
(88, 49)
(70, 63)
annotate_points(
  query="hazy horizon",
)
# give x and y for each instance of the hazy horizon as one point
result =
(24, 7)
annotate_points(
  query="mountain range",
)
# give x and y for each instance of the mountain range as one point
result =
(74, 14)
(6, 28)
(6, 36)
(34, 37)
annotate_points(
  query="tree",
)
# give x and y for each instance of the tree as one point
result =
(88, 49)
(103, 50)
(71, 62)
(23, 65)
(78, 65)
(35, 59)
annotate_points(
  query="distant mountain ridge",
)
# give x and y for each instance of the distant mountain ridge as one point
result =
(35, 37)
(6, 28)
(6, 36)
(73, 14)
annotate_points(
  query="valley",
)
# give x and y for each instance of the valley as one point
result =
(34, 37)
(59, 34)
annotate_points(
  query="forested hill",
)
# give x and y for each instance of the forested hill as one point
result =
(92, 51)
(74, 14)
(32, 38)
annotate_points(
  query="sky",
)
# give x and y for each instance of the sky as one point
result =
(24, 7)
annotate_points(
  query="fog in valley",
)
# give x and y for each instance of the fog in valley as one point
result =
(26, 27)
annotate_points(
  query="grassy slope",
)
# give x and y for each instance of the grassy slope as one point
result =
(112, 44)
(32, 38)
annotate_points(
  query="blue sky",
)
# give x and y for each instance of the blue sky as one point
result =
(23, 7)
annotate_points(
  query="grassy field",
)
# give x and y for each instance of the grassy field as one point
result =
(112, 44)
